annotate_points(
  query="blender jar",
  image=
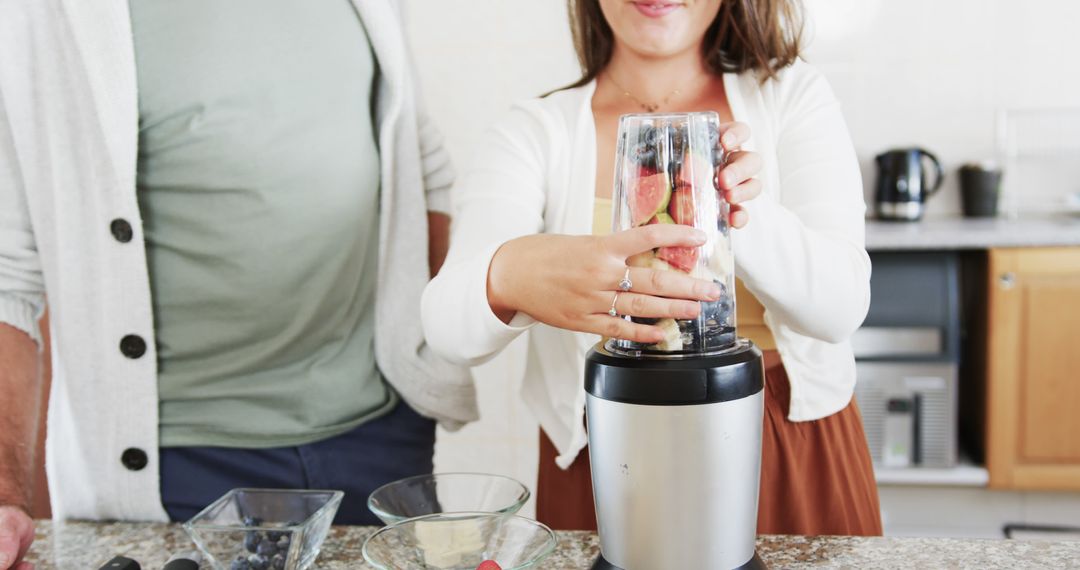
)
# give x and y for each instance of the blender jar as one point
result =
(666, 173)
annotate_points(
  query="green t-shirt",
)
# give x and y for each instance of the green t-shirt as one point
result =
(258, 183)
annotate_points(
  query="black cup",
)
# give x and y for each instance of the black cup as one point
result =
(980, 186)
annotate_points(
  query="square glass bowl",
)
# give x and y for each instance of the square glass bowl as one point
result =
(264, 529)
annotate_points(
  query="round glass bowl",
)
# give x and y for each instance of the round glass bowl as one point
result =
(447, 492)
(460, 541)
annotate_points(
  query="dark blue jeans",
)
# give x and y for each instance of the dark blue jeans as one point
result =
(399, 444)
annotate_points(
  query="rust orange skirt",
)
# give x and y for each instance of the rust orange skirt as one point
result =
(816, 477)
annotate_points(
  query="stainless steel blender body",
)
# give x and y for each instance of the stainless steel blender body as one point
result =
(675, 451)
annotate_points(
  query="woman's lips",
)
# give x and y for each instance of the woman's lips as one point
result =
(656, 9)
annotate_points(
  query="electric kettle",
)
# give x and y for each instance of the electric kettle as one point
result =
(902, 186)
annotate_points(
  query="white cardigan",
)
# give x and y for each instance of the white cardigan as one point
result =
(68, 141)
(802, 254)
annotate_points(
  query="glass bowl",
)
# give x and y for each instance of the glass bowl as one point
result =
(447, 492)
(460, 541)
(272, 529)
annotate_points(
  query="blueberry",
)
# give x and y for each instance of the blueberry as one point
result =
(240, 563)
(718, 156)
(274, 535)
(258, 562)
(714, 136)
(266, 548)
(277, 562)
(649, 135)
(251, 541)
(644, 155)
(252, 521)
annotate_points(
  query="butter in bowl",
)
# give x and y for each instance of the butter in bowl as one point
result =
(460, 541)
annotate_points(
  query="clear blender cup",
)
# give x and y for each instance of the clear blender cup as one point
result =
(665, 173)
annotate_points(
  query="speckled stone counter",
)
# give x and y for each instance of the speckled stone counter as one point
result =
(973, 233)
(85, 546)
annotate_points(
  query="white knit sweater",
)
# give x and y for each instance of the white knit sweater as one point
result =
(801, 255)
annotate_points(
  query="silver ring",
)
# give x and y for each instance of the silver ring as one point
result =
(612, 310)
(626, 284)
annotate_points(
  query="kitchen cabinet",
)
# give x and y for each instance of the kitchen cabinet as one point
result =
(1032, 366)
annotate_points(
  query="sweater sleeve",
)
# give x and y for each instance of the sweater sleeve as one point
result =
(22, 295)
(500, 198)
(803, 256)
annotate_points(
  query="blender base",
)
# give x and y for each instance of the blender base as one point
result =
(755, 563)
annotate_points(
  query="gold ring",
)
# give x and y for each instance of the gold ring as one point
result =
(612, 310)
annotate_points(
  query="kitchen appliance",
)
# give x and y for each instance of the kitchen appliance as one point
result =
(675, 427)
(902, 187)
(980, 186)
(907, 357)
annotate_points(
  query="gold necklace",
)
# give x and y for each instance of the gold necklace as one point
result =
(648, 107)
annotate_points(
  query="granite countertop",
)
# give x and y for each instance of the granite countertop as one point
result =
(86, 546)
(973, 233)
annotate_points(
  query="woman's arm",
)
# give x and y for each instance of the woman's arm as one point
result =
(804, 258)
(500, 198)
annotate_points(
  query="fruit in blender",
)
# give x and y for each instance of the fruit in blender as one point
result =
(681, 207)
(681, 258)
(489, 565)
(648, 196)
(661, 218)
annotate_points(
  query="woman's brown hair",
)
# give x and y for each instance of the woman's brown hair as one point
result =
(759, 35)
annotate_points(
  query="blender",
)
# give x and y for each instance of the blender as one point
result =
(675, 427)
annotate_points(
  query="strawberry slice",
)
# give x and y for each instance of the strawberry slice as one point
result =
(489, 565)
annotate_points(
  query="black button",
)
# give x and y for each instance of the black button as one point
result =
(132, 346)
(121, 230)
(134, 459)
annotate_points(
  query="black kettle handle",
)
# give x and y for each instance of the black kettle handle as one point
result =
(937, 168)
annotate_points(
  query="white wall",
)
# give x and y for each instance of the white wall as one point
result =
(932, 73)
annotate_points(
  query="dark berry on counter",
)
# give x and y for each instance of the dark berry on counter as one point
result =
(258, 562)
(251, 541)
(275, 535)
(240, 563)
(267, 549)
(277, 562)
(252, 521)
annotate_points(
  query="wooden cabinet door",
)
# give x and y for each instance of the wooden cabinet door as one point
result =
(1033, 368)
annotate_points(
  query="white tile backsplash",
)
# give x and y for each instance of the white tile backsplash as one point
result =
(932, 73)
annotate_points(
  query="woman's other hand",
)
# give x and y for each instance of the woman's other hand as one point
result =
(737, 176)
(570, 281)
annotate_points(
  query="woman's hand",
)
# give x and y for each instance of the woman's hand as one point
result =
(570, 281)
(736, 177)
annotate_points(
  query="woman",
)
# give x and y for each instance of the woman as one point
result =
(518, 259)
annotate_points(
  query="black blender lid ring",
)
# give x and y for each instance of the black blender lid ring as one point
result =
(729, 375)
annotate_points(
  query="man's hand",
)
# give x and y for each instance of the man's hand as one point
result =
(16, 534)
(20, 384)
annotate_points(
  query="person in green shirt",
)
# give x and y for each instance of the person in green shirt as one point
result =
(233, 292)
